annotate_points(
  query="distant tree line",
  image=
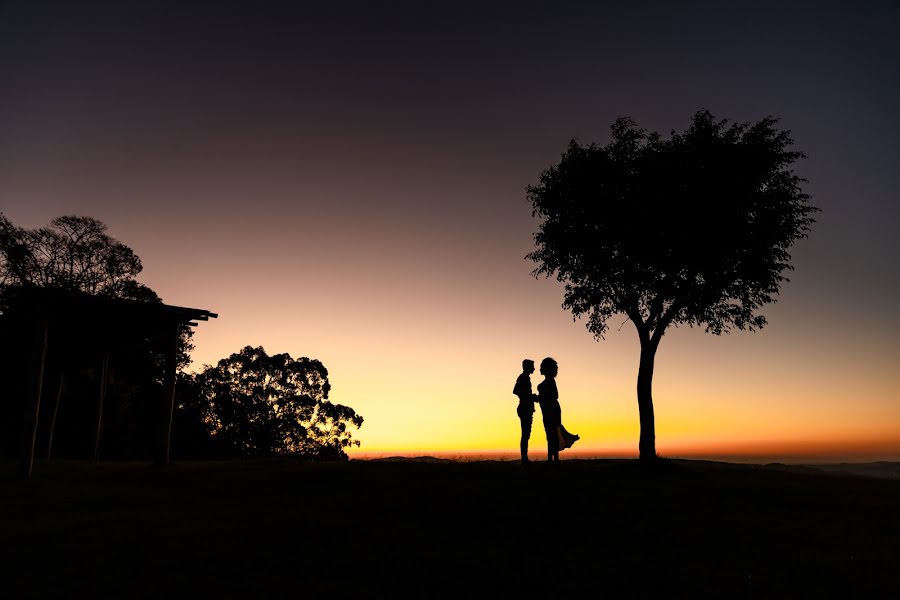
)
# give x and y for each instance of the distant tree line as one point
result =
(249, 404)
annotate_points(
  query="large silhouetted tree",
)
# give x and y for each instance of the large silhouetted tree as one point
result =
(254, 404)
(691, 229)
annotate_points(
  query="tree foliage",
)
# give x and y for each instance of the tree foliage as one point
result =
(253, 404)
(71, 253)
(693, 229)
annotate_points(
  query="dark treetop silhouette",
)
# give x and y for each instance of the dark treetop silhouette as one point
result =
(253, 404)
(71, 253)
(693, 229)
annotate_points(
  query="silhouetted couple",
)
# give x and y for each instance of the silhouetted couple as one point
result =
(551, 412)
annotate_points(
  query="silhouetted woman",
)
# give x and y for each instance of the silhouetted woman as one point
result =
(548, 397)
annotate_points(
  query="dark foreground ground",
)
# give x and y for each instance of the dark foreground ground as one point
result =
(426, 529)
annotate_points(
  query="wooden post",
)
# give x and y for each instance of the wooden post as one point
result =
(33, 397)
(60, 382)
(167, 404)
(101, 396)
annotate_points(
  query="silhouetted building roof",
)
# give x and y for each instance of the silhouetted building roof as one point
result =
(93, 319)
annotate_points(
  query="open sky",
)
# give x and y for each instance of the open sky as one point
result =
(346, 181)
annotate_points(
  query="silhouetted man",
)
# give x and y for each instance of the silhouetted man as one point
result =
(522, 389)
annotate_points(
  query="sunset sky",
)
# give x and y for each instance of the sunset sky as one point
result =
(346, 181)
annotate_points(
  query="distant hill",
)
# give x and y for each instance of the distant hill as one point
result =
(882, 469)
(418, 459)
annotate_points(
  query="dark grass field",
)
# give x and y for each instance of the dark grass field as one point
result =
(427, 529)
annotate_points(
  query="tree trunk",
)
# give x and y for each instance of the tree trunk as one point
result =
(647, 445)
(59, 389)
(101, 398)
(33, 398)
(167, 404)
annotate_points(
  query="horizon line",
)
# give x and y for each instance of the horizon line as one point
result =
(738, 457)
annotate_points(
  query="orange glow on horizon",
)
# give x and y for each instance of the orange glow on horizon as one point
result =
(446, 390)
(762, 451)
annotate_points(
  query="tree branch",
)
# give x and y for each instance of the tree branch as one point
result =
(634, 314)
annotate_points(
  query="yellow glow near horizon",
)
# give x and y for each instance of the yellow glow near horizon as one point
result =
(764, 410)
(448, 400)
(425, 343)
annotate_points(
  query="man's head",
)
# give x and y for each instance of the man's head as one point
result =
(528, 366)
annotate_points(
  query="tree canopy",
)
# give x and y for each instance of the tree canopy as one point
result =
(71, 253)
(253, 404)
(691, 229)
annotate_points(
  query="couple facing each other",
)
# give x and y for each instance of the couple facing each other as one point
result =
(548, 397)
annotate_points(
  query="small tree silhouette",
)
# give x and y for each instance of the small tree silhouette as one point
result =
(690, 230)
(253, 404)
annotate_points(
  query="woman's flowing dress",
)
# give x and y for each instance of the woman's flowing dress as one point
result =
(566, 439)
(551, 412)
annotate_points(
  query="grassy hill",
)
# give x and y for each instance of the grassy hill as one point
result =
(429, 528)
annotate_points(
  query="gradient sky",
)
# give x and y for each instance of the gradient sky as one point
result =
(346, 181)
